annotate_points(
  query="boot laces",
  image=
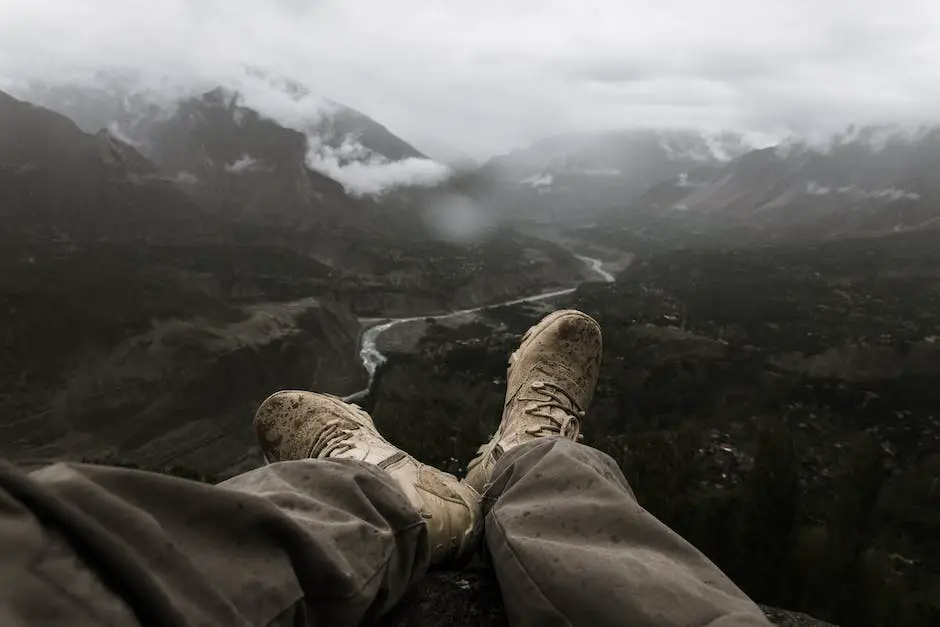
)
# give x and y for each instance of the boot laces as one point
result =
(333, 439)
(567, 423)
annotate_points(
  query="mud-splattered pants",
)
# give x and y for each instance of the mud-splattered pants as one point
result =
(335, 543)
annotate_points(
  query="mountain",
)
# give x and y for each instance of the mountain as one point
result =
(63, 184)
(865, 181)
(219, 174)
(241, 162)
(444, 152)
(222, 173)
(124, 104)
(574, 176)
(240, 165)
(147, 306)
(121, 294)
(341, 124)
(270, 150)
(637, 155)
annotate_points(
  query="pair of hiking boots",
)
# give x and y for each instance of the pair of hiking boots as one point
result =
(550, 383)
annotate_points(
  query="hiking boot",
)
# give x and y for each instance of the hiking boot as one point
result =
(293, 425)
(549, 385)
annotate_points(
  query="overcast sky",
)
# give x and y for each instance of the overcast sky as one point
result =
(485, 76)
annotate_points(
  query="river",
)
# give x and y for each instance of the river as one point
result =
(372, 358)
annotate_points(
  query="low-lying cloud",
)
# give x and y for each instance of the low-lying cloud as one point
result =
(358, 169)
(117, 132)
(362, 172)
(246, 164)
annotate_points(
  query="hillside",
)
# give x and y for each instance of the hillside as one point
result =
(574, 177)
(127, 104)
(863, 182)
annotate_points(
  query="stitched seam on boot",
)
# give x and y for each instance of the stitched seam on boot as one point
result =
(397, 457)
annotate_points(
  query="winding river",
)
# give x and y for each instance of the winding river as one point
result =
(372, 358)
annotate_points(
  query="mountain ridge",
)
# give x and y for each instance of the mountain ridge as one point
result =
(337, 135)
(850, 186)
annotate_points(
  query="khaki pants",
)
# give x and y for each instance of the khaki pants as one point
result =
(334, 542)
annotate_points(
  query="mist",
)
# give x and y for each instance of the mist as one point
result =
(359, 170)
(362, 172)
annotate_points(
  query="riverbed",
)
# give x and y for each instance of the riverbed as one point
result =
(372, 357)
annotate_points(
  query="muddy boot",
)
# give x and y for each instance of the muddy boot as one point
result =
(550, 383)
(294, 425)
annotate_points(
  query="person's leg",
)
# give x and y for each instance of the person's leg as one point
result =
(334, 540)
(569, 543)
(571, 546)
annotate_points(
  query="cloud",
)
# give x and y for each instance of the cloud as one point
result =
(246, 164)
(116, 131)
(361, 172)
(275, 97)
(186, 178)
(486, 76)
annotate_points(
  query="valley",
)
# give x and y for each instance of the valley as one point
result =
(372, 356)
(770, 313)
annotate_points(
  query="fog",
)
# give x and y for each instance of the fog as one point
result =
(361, 172)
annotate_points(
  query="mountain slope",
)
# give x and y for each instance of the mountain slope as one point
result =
(867, 181)
(55, 179)
(123, 104)
(245, 164)
(342, 124)
(572, 177)
(635, 155)
(268, 146)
